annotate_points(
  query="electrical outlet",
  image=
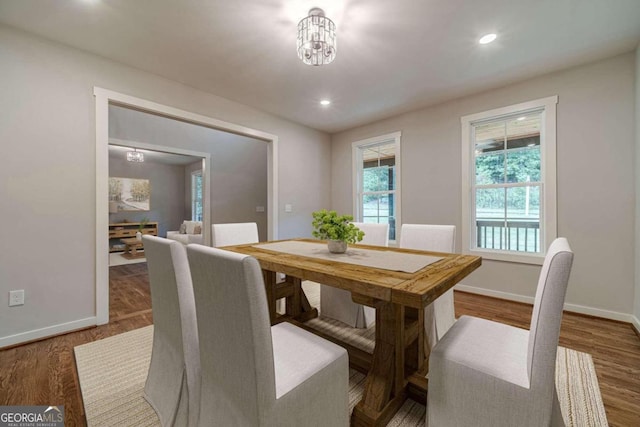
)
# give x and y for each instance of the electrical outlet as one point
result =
(16, 297)
(288, 208)
(259, 208)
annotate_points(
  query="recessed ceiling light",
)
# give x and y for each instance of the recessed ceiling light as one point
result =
(521, 118)
(487, 38)
(325, 102)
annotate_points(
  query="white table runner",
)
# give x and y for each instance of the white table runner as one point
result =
(384, 259)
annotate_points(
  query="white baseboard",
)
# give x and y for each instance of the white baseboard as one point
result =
(574, 308)
(636, 324)
(46, 332)
(495, 294)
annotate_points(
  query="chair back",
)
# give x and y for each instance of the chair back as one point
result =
(427, 237)
(374, 234)
(236, 351)
(175, 351)
(234, 234)
(439, 316)
(544, 332)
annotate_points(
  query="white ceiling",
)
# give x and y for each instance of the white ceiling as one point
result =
(393, 56)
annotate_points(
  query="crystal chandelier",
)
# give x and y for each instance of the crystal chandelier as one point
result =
(316, 38)
(135, 156)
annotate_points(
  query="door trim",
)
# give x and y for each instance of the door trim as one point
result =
(104, 97)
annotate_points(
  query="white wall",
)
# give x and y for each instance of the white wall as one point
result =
(595, 149)
(636, 310)
(47, 122)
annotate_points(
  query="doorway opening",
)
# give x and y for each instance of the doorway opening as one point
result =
(107, 100)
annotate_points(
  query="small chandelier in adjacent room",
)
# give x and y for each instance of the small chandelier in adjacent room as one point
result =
(135, 156)
(316, 38)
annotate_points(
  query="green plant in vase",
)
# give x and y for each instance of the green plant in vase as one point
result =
(337, 229)
(143, 223)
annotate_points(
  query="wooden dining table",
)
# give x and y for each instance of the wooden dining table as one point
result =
(399, 364)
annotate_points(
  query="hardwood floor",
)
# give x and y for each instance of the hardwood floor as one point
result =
(44, 372)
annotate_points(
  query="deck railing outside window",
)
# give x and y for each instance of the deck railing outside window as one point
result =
(512, 235)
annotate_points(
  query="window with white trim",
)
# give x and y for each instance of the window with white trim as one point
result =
(376, 181)
(196, 196)
(509, 181)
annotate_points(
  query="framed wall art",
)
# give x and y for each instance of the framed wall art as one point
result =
(129, 195)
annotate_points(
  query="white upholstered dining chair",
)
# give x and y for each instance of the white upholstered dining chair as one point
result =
(336, 303)
(484, 373)
(173, 381)
(254, 374)
(238, 233)
(440, 315)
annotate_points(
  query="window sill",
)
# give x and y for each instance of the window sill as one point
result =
(519, 258)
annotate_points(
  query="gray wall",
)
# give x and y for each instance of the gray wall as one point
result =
(238, 164)
(47, 115)
(167, 192)
(595, 175)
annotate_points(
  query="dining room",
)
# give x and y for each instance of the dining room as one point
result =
(511, 137)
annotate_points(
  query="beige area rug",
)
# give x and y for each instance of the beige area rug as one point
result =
(113, 371)
(116, 258)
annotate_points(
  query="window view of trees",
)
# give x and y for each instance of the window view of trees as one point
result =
(508, 184)
(196, 196)
(517, 166)
(378, 180)
(509, 181)
(378, 202)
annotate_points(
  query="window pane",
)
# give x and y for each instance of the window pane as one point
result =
(196, 197)
(380, 209)
(524, 126)
(523, 148)
(490, 168)
(523, 165)
(379, 153)
(489, 153)
(523, 219)
(489, 137)
(377, 182)
(490, 218)
(380, 178)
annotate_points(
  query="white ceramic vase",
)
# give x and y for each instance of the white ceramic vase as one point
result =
(139, 235)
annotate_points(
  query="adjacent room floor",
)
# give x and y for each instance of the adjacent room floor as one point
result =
(116, 258)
